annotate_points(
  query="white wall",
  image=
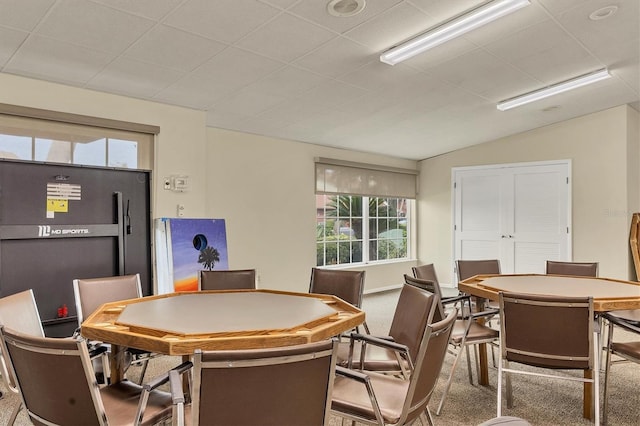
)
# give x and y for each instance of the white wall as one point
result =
(264, 188)
(603, 148)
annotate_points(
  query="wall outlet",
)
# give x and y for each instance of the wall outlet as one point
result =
(167, 183)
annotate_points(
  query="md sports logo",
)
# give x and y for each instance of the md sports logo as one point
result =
(47, 231)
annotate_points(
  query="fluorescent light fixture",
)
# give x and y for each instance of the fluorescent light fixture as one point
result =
(454, 28)
(561, 87)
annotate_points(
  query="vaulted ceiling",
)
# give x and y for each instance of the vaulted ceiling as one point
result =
(290, 69)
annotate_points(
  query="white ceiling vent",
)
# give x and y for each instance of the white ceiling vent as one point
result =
(345, 8)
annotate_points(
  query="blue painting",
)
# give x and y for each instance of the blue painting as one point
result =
(196, 244)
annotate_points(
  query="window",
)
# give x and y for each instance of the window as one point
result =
(363, 212)
(347, 233)
(48, 140)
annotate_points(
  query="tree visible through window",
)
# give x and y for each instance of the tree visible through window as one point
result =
(346, 233)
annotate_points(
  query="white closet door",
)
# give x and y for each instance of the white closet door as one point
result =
(538, 221)
(478, 225)
(516, 213)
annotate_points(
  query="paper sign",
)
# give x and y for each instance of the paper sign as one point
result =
(56, 205)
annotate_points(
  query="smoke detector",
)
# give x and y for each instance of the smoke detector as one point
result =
(345, 8)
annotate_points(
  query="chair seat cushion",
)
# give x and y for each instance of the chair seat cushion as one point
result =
(376, 359)
(477, 332)
(349, 396)
(630, 349)
(121, 402)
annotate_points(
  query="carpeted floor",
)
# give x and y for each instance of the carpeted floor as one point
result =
(538, 400)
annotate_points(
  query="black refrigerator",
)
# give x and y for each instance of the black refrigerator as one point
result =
(61, 222)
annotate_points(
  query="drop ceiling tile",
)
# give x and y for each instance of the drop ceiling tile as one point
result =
(444, 10)
(292, 112)
(391, 27)
(332, 94)
(41, 57)
(545, 52)
(194, 92)
(11, 41)
(338, 56)
(629, 73)
(152, 9)
(173, 48)
(288, 82)
(283, 4)
(222, 20)
(23, 15)
(248, 102)
(316, 11)
(93, 25)
(237, 67)
(439, 54)
(607, 38)
(282, 38)
(484, 74)
(556, 6)
(377, 75)
(140, 79)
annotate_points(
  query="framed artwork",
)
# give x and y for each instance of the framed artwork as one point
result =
(187, 246)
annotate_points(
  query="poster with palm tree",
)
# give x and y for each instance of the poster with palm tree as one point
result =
(195, 244)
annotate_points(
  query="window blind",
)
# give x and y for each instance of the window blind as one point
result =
(346, 177)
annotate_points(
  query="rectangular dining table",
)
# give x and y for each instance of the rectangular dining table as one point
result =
(179, 323)
(608, 295)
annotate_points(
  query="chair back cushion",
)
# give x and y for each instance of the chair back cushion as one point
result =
(579, 269)
(347, 285)
(276, 386)
(547, 331)
(414, 310)
(469, 268)
(234, 279)
(51, 377)
(92, 293)
(425, 272)
(20, 313)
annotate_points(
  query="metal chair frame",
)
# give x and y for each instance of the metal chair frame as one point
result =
(417, 392)
(624, 351)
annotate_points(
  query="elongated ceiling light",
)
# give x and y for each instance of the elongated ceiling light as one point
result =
(454, 28)
(573, 83)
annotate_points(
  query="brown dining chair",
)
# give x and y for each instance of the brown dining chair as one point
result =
(428, 272)
(549, 333)
(232, 279)
(469, 268)
(393, 354)
(377, 399)
(347, 285)
(578, 269)
(626, 349)
(19, 312)
(57, 385)
(288, 385)
(469, 330)
(91, 293)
